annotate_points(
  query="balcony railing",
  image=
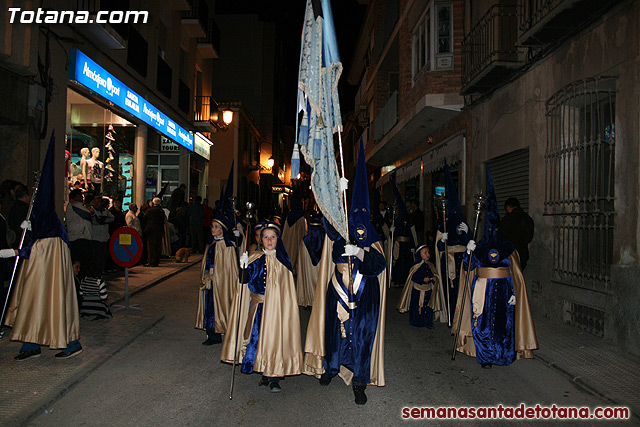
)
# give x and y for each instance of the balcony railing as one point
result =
(203, 108)
(544, 21)
(386, 118)
(490, 49)
(199, 10)
(209, 45)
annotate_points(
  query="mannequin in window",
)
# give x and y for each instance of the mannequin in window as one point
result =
(94, 170)
(84, 153)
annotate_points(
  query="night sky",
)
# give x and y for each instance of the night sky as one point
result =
(288, 16)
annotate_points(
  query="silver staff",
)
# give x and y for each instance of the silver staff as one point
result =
(394, 209)
(15, 264)
(443, 205)
(480, 199)
(249, 216)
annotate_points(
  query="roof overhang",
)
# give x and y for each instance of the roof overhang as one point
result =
(430, 113)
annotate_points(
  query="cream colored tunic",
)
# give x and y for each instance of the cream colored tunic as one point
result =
(279, 351)
(222, 279)
(44, 306)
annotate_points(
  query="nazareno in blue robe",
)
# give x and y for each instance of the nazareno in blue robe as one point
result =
(209, 311)
(455, 237)
(353, 351)
(417, 317)
(494, 330)
(256, 279)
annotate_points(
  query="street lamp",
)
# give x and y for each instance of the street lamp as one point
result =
(227, 117)
(271, 162)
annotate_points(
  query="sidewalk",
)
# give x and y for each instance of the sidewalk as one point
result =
(33, 386)
(591, 363)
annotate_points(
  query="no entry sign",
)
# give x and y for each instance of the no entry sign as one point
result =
(125, 247)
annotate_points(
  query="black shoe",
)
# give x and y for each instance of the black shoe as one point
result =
(358, 392)
(325, 380)
(264, 381)
(486, 365)
(274, 386)
(68, 354)
(213, 339)
(24, 355)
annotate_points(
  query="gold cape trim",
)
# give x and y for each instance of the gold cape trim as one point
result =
(292, 239)
(405, 298)
(526, 340)
(225, 275)
(279, 351)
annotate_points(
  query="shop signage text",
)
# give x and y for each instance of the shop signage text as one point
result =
(88, 73)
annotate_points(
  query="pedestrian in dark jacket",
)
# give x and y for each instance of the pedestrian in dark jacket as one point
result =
(153, 230)
(517, 228)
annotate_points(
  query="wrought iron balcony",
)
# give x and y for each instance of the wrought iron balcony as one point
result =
(490, 51)
(544, 21)
(204, 109)
(209, 46)
(195, 20)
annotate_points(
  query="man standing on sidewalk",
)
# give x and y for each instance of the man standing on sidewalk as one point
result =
(517, 228)
(153, 230)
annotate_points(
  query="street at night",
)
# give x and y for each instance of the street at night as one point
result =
(148, 367)
(319, 212)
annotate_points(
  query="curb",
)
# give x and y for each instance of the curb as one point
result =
(157, 281)
(583, 385)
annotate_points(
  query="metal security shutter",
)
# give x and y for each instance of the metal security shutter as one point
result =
(510, 173)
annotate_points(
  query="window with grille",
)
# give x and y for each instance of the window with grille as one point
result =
(579, 194)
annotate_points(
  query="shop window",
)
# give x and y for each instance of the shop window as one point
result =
(173, 160)
(100, 149)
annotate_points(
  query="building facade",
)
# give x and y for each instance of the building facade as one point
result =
(125, 99)
(545, 93)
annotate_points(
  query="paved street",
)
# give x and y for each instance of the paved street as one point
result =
(148, 367)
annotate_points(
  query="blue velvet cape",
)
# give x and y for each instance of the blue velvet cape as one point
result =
(354, 351)
(314, 240)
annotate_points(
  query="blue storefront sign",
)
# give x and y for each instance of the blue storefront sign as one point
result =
(88, 73)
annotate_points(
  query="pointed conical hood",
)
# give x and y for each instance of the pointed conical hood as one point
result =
(296, 207)
(225, 215)
(454, 214)
(44, 219)
(493, 247)
(403, 221)
(360, 227)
